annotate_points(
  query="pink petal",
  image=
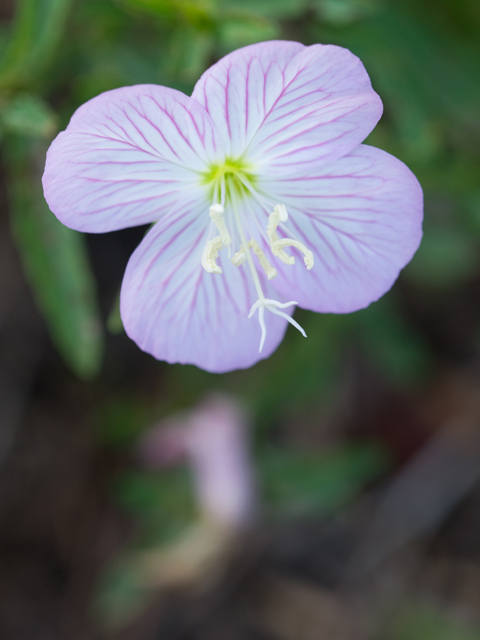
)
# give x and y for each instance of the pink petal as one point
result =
(290, 107)
(176, 311)
(362, 218)
(127, 157)
(217, 444)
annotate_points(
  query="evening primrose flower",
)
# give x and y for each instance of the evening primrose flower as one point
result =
(261, 196)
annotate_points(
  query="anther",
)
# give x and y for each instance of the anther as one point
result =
(216, 214)
(277, 244)
(270, 271)
(210, 254)
(240, 256)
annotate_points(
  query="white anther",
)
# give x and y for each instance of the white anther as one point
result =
(216, 214)
(277, 250)
(238, 258)
(273, 306)
(277, 244)
(281, 213)
(270, 271)
(210, 254)
(241, 255)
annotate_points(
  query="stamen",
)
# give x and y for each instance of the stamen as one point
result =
(216, 214)
(277, 244)
(270, 271)
(210, 254)
(241, 255)
(288, 242)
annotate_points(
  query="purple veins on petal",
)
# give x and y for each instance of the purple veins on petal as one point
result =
(322, 92)
(362, 216)
(154, 148)
(180, 313)
(273, 127)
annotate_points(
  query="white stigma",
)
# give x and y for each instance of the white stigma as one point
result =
(273, 306)
(262, 303)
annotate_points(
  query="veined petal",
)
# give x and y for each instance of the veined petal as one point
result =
(176, 311)
(288, 107)
(127, 157)
(362, 218)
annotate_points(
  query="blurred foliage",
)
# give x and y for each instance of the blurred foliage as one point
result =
(291, 484)
(119, 420)
(299, 485)
(423, 57)
(120, 596)
(34, 36)
(162, 503)
(426, 621)
(55, 262)
(54, 257)
(27, 114)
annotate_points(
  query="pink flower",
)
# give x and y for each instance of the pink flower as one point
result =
(214, 439)
(262, 165)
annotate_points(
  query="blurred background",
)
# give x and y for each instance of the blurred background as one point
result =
(349, 462)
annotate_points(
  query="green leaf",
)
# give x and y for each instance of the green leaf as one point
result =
(163, 502)
(396, 349)
(114, 320)
(56, 264)
(120, 595)
(446, 258)
(29, 115)
(186, 64)
(296, 483)
(421, 64)
(240, 32)
(118, 422)
(194, 12)
(423, 620)
(37, 30)
(343, 12)
(278, 9)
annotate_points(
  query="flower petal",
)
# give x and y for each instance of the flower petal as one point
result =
(128, 156)
(288, 107)
(362, 218)
(176, 311)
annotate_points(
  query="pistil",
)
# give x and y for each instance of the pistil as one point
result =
(228, 182)
(262, 303)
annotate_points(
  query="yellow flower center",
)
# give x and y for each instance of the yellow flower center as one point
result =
(232, 177)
